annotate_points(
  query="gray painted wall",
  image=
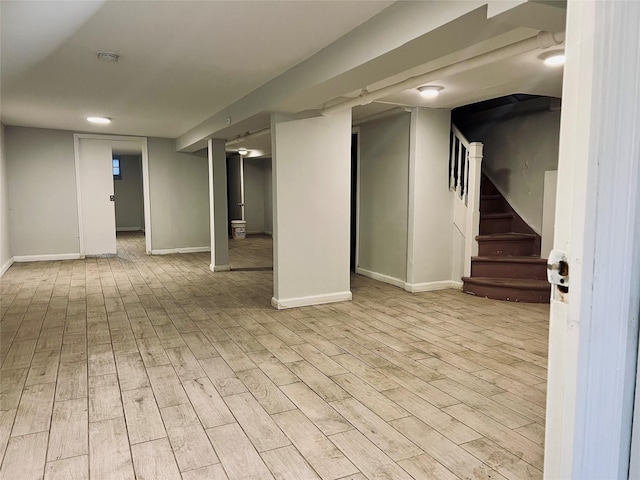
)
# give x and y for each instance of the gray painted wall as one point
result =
(268, 198)
(517, 152)
(179, 197)
(43, 219)
(5, 244)
(128, 192)
(384, 178)
(254, 173)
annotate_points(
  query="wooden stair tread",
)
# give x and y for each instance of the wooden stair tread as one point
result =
(502, 259)
(515, 283)
(491, 216)
(505, 236)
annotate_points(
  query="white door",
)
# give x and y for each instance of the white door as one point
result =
(98, 212)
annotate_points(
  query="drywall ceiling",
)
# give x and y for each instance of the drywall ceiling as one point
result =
(180, 61)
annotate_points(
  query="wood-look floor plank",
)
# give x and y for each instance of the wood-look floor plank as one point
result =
(256, 423)
(497, 432)
(273, 368)
(286, 463)
(367, 457)
(144, 422)
(316, 409)
(222, 377)
(6, 424)
(131, 372)
(11, 384)
(188, 439)
(69, 435)
(101, 361)
(389, 440)
(444, 451)
(34, 411)
(319, 360)
(104, 398)
(206, 401)
(238, 456)
(44, 367)
(318, 382)
(74, 468)
(317, 449)
(425, 467)
(278, 348)
(185, 363)
(166, 386)
(265, 391)
(370, 397)
(25, 457)
(445, 424)
(154, 461)
(212, 472)
(508, 464)
(72, 381)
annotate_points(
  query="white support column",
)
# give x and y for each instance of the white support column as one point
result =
(311, 209)
(473, 205)
(218, 205)
(430, 226)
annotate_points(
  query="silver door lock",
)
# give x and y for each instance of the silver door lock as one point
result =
(558, 270)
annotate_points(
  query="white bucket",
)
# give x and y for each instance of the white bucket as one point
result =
(238, 229)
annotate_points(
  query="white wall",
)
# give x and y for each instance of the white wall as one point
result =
(311, 169)
(179, 197)
(6, 258)
(430, 201)
(128, 194)
(517, 152)
(384, 179)
(43, 219)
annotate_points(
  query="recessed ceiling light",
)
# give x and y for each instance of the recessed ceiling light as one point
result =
(242, 151)
(430, 91)
(554, 59)
(99, 120)
(108, 56)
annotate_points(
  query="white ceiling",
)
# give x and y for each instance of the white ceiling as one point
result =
(185, 64)
(181, 61)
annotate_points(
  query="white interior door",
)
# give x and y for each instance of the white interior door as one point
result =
(98, 212)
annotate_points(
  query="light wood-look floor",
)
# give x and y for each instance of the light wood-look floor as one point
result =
(155, 368)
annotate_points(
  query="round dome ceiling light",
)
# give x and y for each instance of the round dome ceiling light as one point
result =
(430, 91)
(242, 151)
(554, 59)
(108, 56)
(99, 120)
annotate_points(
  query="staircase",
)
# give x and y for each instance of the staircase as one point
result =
(508, 265)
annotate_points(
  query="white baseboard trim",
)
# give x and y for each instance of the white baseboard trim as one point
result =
(128, 229)
(431, 286)
(396, 282)
(284, 303)
(169, 251)
(46, 258)
(6, 266)
(220, 268)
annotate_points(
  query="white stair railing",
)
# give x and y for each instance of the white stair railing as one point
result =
(465, 167)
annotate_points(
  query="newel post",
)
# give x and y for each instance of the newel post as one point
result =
(473, 205)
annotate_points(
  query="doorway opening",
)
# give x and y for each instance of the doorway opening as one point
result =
(113, 192)
(249, 199)
(354, 200)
